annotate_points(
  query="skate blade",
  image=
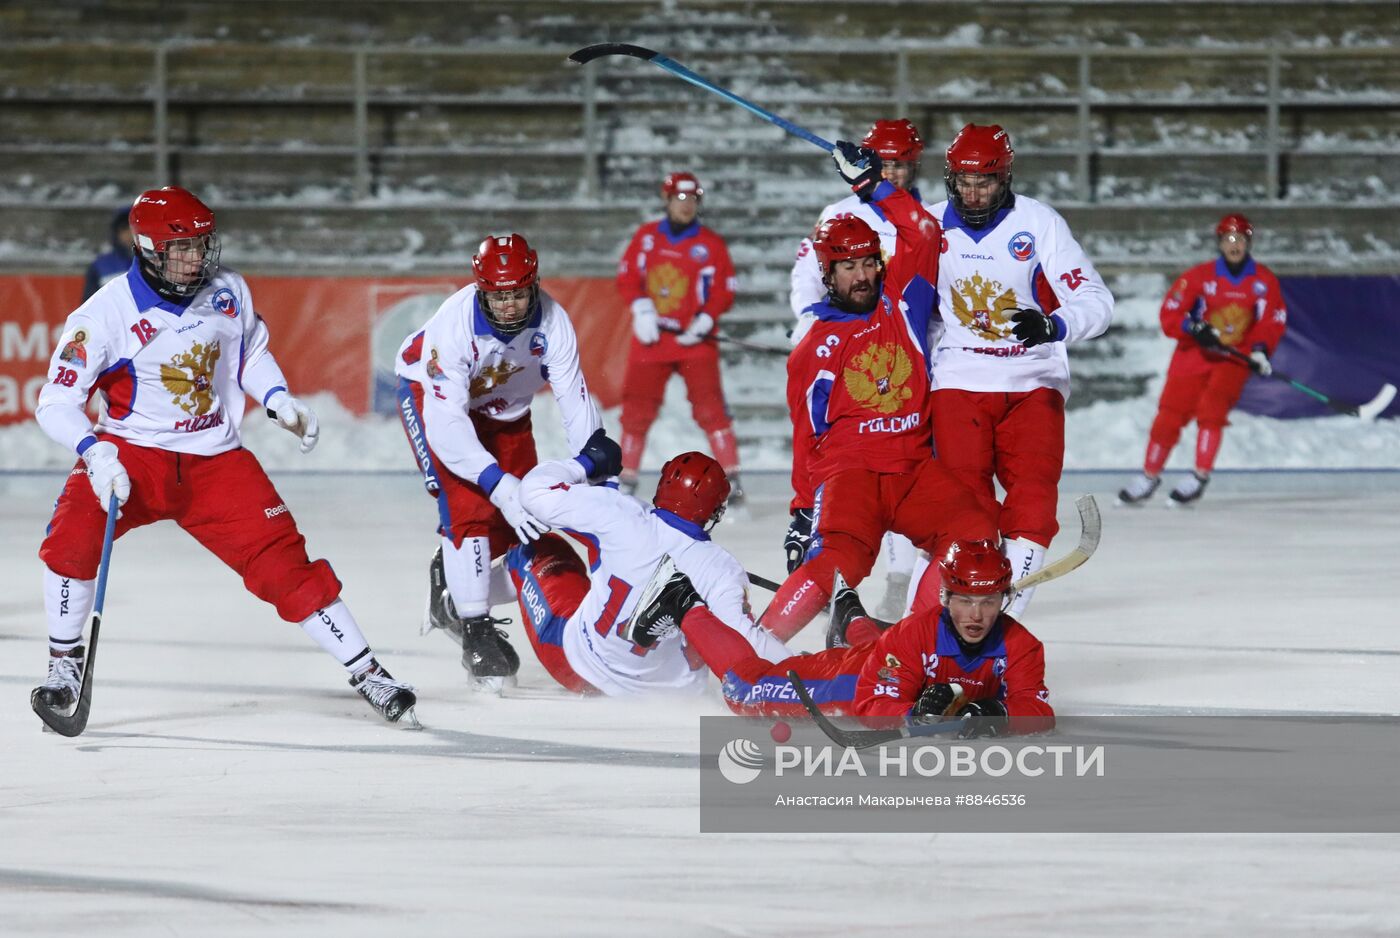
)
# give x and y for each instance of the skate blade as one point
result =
(409, 719)
(492, 685)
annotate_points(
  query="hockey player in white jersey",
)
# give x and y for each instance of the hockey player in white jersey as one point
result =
(579, 624)
(900, 148)
(466, 380)
(171, 348)
(1014, 288)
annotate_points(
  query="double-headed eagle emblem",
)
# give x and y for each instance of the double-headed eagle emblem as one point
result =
(667, 287)
(190, 378)
(875, 377)
(984, 306)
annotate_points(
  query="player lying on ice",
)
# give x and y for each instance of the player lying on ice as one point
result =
(577, 622)
(963, 658)
(172, 348)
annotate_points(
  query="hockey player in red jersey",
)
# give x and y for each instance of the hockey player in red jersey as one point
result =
(678, 278)
(963, 658)
(858, 393)
(1232, 302)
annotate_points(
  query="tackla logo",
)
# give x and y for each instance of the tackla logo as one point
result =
(740, 761)
(984, 307)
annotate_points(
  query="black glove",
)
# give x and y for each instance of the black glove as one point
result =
(932, 704)
(859, 166)
(799, 536)
(601, 457)
(984, 718)
(1036, 328)
(1204, 333)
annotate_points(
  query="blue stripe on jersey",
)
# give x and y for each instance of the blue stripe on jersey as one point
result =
(818, 400)
(688, 528)
(814, 543)
(546, 624)
(917, 305)
(147, 298)
(707, 280)
(839, 689)
(590, 541)
(414, 428)
(117, 408)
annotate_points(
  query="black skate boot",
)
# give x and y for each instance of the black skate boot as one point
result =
(846, 608)
(440, 613)
(663, 603)
(60, 690)
(392, 699)
(486, 654)
(1139, 490)
(1189, 489)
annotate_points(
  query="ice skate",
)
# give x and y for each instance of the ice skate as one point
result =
(487, 655)
(891, 607)
(1189, 489)
(660, 609)
(65, 680)
(845, 606)
(1138, 490)
(392, 699)
(440, 613)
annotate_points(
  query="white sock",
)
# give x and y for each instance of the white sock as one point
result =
(921, 565)
(468, 570)
(335, 630)
(67, 604)
(900, 555)
(1026, 557)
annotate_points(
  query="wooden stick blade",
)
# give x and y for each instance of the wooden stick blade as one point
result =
(1091, 527)
(1376, 406)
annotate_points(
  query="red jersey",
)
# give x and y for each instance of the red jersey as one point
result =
(858, 384)
(685, 273)
(923, 649)
(1247, 310)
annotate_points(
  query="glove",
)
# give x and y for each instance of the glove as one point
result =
(859, 166)
(699, 327)
(1036, 328)
(295, 416)
(107, 474)
(600, 457)
(644, 325)
(1204, 333)
(506, 497)
(799, 536)
(983, 718)
(1259, 362)
(934, 703)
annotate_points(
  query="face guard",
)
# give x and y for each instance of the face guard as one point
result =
(174, 235)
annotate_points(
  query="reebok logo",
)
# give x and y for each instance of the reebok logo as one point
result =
(274, 512)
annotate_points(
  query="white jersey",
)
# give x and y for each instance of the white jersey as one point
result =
(1027, 259)
(630, 539)
(807, 287)
(464, 366)
(172, 376)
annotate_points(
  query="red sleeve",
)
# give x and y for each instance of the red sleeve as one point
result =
(803, 437)
(1027, 698)
(1179, 302)
(1271, 317)
(722, 290)
(630, 281)
(920, 239)
(893, 675)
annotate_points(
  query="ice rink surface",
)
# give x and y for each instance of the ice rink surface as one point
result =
(230, 783)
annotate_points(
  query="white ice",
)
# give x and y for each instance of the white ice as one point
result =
(230, 783)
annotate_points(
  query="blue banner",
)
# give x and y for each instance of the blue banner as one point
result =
(1343, 339)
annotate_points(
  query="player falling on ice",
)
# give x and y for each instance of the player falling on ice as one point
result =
(172, 348)
(466, 380)
(858, 394)
(578, 621)
(963, 658)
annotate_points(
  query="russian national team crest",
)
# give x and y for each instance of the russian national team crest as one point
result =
(1022, 245)
(538, 345)
(225, 302)
(699, 253)
(1259, 288)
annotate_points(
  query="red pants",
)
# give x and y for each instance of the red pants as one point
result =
(1200, 389)
(464, 509)
(550, 581)
(1018, 438)
(644, 388)
(226, 502)
(755, 686)
(853, 510)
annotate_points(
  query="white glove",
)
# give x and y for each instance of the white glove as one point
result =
(644, 325)
(506, 497)
(699, 327)
(1259, 360)
(107, 474)
(295, 416)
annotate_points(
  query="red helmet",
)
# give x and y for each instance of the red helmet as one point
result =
(161, 216)
(693, 487)
(505, 263)
(983, 150)
(1234, 224)
(895, 140)
(683, 184)
(844, 238)
(975, 568)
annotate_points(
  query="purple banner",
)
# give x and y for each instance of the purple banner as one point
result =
(1343, 339)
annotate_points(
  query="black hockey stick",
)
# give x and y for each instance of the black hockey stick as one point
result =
(589, 53)
(73, 724)
(722, 339)
(863, 739)
(1368, 411)
(764, 582)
